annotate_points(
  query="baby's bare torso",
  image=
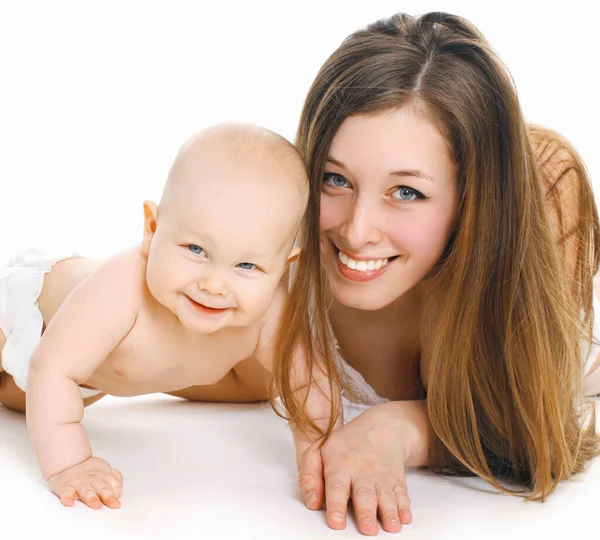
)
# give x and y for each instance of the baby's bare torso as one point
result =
(157, 354)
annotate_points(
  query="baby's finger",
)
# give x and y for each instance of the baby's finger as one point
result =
(115, 481)
(88, 496)
(67, 495)
(310, 477)
(107, 495)
(117, 474)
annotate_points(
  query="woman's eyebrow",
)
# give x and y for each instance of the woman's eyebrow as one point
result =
(413, 172)
(336, 162)
(404, 172)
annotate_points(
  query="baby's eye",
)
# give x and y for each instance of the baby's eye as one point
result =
(247, 266)
(335, 180)
(407, 194)
(196, 250)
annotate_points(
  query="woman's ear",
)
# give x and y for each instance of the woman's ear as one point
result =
(150, 217)
(294, 254)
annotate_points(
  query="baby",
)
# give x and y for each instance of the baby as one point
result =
(196, 304)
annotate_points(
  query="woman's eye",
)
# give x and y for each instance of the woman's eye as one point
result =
(247, 266)
(196, 250)
(403, 193)
(335, 180)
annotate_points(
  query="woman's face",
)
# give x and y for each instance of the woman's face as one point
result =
(388, 204)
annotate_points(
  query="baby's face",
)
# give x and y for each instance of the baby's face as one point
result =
(220, 250)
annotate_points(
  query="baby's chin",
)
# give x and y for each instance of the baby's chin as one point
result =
(229, 320)
(203, 327)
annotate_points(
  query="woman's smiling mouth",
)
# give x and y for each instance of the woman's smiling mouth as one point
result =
(363, 269)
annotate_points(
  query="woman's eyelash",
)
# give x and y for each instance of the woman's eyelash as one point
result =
(329, 177)
(406, 190)
(408, 194)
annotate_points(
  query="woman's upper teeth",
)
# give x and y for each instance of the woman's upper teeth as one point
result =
(362, 266)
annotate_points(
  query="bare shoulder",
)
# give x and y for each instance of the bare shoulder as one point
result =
(68, 274)
(559, 163)
(551, 148)
(129, 264)
(115, 284)
(122, 274)
(94, 318)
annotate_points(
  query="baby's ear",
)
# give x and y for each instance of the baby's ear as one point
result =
(150, 216)
(294, 254)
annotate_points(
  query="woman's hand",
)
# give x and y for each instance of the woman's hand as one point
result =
(365, 460)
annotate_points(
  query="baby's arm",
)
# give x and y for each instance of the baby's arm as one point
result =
(91, 322)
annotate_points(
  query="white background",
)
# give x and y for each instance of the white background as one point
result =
(97, 97)
(95, 100)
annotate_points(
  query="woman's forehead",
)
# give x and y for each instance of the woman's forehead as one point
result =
(394, 141)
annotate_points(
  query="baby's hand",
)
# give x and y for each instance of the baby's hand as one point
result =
(93, 482)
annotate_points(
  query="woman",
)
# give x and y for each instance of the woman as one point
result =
(453, 260)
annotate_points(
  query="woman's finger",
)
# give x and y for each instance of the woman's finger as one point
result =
(364, 500)
(388, 508)
(337, 493)
(403, 501)
(310, 476)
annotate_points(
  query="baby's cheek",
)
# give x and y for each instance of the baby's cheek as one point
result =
(250, 299)
(154, 277)
(259, 298)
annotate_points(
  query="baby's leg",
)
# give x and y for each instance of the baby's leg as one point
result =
(11, 395)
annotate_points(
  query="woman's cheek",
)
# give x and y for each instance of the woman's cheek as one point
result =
(424, 233)
(330, 213)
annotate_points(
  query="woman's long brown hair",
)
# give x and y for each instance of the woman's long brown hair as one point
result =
(513, 291)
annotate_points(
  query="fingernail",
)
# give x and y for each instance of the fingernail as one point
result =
(311, 498)
(368, 521)
(337, 518)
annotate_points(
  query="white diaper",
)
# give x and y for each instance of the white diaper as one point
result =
(21, 321)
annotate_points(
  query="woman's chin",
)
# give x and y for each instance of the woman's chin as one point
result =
(349, 296)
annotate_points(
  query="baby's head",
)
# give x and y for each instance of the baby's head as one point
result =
(223, 234)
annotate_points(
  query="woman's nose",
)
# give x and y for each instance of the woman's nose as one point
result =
(361, 224)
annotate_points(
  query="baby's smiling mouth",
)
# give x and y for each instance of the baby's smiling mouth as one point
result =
(206, 309)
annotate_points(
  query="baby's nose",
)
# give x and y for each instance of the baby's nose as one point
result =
(214, 284)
